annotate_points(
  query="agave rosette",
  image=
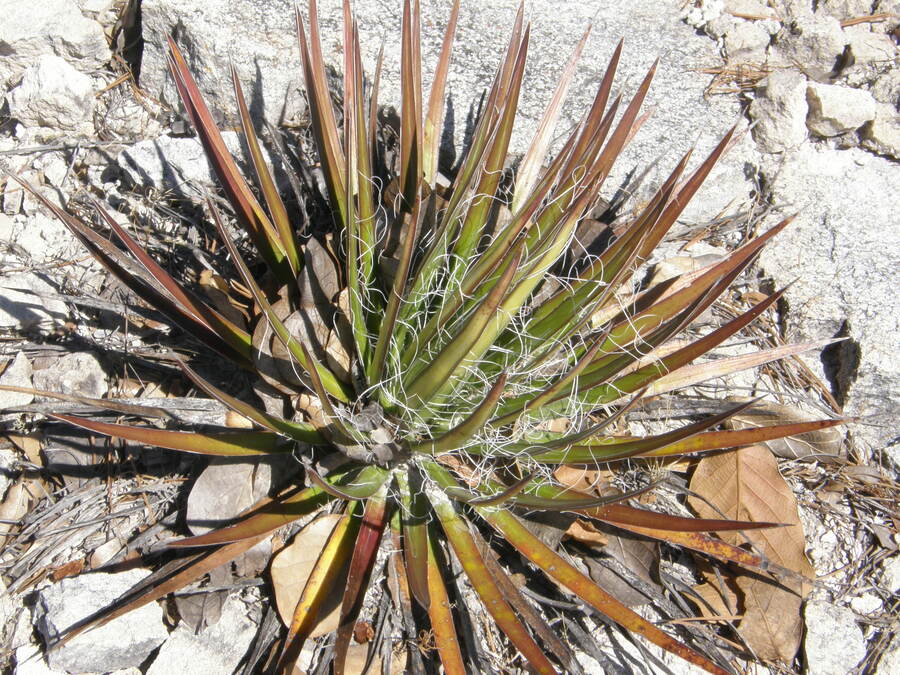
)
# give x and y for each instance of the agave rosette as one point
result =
(445, 353)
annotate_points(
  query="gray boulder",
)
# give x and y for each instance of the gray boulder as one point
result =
(32, 29)
(834, 109)
(122, 643)
(779, 111)
(53, 94)
(834, 643)
(843, 252)
(882, 135)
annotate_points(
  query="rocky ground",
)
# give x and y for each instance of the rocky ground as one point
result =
(89, 109)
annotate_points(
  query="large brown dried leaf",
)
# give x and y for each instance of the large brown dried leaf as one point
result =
(823, 444)
(292, 566)
(746, 485)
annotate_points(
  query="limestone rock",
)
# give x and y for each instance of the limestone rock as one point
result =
(779, 111)
(17, 374)
(834, 643)
(834, 109)
(169, 162)
(882, 135)
(886, 87)
(216, 649)
(79, 373)
(746, 41)
(870, 48)
(815, 42)
(32, 29)
(21, 309)
(842, 251)
(122, 643)
(845, 9)
(53, 94)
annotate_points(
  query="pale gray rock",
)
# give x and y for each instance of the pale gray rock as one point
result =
(22, 309)
(720, 26)
(698, 14)
(834, 643)
(882, 135)
(171, 162)
(218, 648)
(53, 94)
(747, 41)
(267, 58)
(814, 42)
(13, 195)
(867, 48)
(32, 29)
(886, 87)
(845, 9)
(53, 167)
(890, 575)
(843, 252)
(79, 373)
(122, 643)
(39, 238)
(748, 8)
(779, 111)
(17, 374)
(834, 109)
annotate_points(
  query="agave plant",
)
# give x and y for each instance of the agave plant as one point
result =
(460, 327)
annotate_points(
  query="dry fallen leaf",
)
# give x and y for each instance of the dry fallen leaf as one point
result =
(29, 444)
(746, 485)
(291, 568)
(585, 532)
(823, 445)
(715, 605)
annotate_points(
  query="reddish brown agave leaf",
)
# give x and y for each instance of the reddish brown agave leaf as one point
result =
(241, 197)
(374, 519)
(557, 568)
(318, 586)
(263, 518)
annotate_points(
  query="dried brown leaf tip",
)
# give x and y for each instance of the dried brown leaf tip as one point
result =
(438, 371)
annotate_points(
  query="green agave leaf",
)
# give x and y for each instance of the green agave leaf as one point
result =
(227, 444)
(483, 582)
(414, 524)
